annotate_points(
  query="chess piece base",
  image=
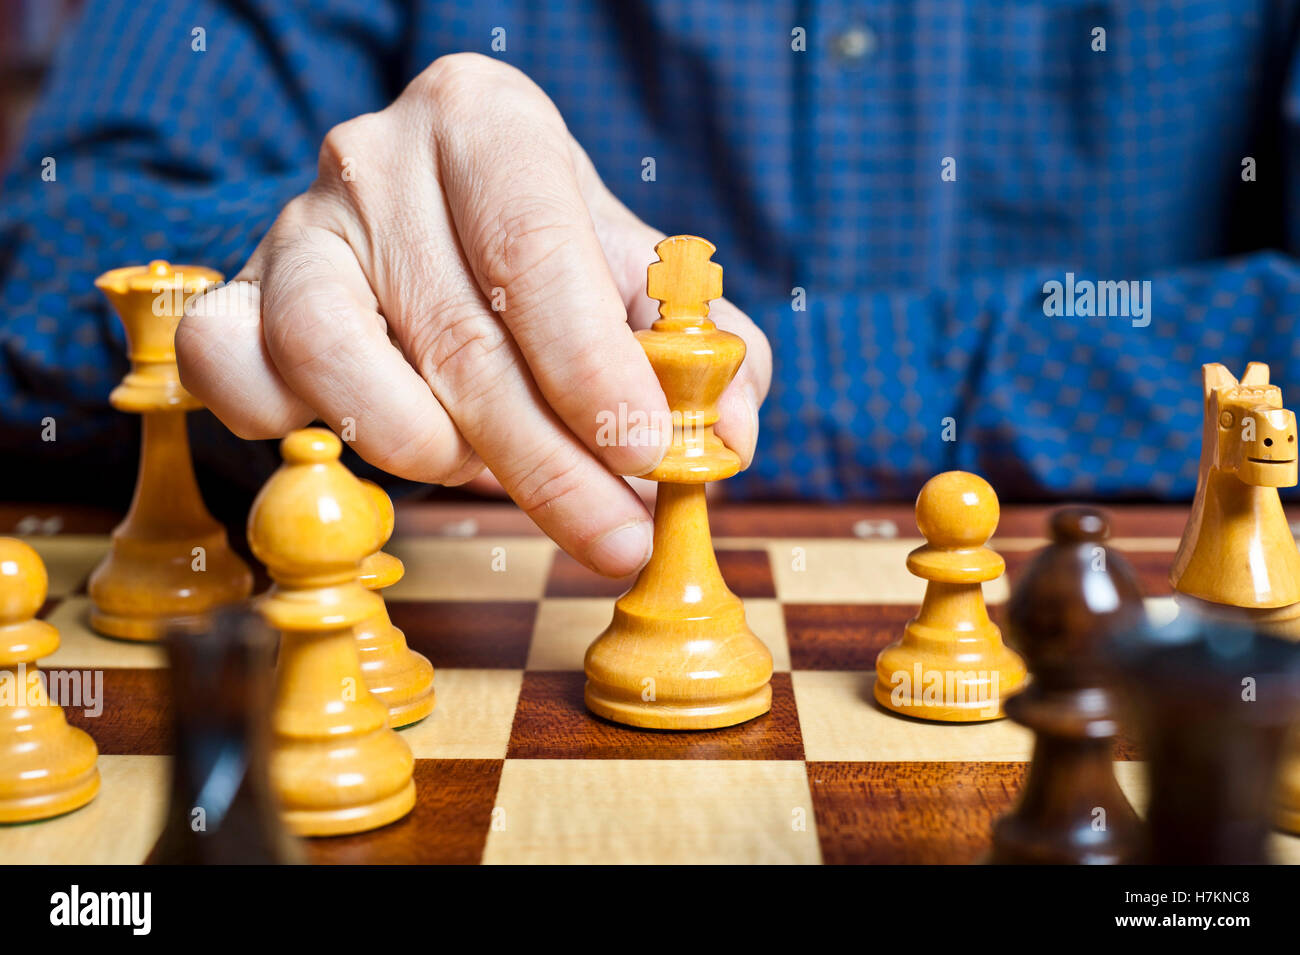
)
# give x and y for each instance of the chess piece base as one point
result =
(144, 587)
(331, 789)
(140, 629)
(398, 677)
(1018, 844)
(1281, 622)
(408, 712)
(906, 672)
(677, 716)
(976, 711)
(336, 766)
(346, 820)
(1071, 810)
(699, 674)
(61, 776)
(664, 663)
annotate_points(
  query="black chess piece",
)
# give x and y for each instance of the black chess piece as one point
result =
(1214, 701)
(222, 810)
(1071, 601)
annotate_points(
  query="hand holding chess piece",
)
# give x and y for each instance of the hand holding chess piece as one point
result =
(678, 653)
(516, 380)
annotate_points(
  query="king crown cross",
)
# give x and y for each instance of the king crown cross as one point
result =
(684, 280)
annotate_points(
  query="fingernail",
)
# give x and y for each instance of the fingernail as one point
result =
(624, 550)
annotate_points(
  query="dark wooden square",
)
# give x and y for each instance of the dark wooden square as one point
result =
(935, 813)
(477, 635)
(552, 722)
(449, 824)
(136, 719)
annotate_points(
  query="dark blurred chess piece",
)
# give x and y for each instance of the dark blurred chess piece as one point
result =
(1073, 598)
(222, 810)
(1214, 703)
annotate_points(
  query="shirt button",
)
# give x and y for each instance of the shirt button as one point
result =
(855, 43)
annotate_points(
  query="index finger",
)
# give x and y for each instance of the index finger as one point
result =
(528, 237)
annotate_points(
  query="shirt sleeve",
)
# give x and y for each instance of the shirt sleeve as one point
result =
(179, 138)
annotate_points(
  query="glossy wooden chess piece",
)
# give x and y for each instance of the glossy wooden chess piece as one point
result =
(222, 811)
(1214, 702)
(396, 675)
(1238, 559)
(336, 765)
(679, 653)
(170, 561)
(1073, 599)
(47, 768)
(951, 665)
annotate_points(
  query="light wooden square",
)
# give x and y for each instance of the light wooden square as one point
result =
(566, 626)
(653, 812)
(841, 721)
(69, 558)
(452, 569)
(471, 718)
(852, 571)
(118, 827)
(82, 648)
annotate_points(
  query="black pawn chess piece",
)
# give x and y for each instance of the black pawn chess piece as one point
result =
(1214, 701)
(1072, 600)
(222, 810)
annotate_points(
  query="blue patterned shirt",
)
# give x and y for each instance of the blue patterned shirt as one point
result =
(893, 188)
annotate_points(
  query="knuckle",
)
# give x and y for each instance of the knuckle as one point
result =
(348, 140)
(589, 384)
(522, 239)
(462, 349)
(469, 466)
(457, 78)
(191, 335)
(293, 231)
(431, 458)
(469, 469)
(307, 334)
(552, 478)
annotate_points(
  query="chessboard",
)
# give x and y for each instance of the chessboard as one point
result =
(511, 768)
